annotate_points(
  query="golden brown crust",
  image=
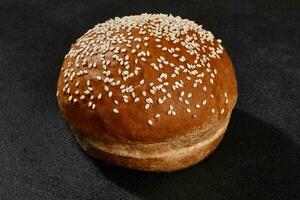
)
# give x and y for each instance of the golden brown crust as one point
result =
(145, 79)
(168, 156)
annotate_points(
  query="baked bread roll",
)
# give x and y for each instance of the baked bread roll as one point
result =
(150, 92)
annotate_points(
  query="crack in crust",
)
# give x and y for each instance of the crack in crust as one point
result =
(165, 156)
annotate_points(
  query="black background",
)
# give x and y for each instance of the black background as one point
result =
(259, 157)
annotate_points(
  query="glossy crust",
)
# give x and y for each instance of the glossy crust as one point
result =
(187, 110)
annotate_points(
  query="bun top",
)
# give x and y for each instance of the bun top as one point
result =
(148, 78)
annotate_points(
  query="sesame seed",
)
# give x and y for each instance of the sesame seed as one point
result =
(133, 94)
(204, 102)
(136, 99)
(106, 80)
(147, 106)
(115, 110)
(160, 101)
(197, 106)
(213, 110)
(222, 110)
(157, 116)
(150, 122)
(188, 110)
(182, 59)
(149, 100)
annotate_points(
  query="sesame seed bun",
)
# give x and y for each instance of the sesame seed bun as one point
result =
(150, 92)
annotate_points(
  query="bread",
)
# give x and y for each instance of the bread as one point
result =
(149, 92)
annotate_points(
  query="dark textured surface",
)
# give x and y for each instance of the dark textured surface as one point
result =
(259, 157)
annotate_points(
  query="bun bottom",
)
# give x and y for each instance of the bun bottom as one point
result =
(168, 156)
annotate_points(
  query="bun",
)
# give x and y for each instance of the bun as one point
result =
(150, 92)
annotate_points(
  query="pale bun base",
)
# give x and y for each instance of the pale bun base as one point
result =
(167, 156)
